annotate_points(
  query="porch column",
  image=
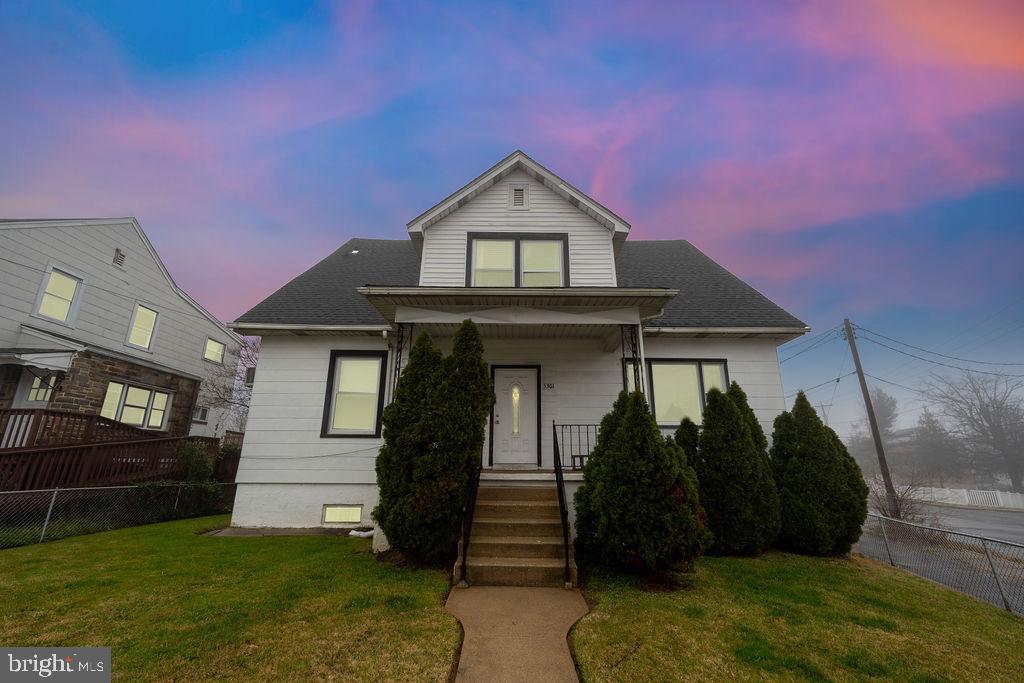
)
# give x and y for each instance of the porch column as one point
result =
(644, 383)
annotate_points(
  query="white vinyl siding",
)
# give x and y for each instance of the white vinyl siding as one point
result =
(591, 261)
(106, 295)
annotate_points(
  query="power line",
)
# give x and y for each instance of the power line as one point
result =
(895, 384)
(821, 342)
(934, 353)
(817, 386)
(935, 362)
(797, 343)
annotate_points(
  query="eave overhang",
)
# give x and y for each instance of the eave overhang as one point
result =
(571, 301)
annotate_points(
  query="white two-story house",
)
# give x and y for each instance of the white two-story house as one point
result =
(92, 322)
(571, 311)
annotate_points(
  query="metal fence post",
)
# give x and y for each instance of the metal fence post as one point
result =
(995, 575)
(177, 498)
(49, 511)
(885, 537)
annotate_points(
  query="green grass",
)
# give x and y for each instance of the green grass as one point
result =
(784, 616)
(176, 604)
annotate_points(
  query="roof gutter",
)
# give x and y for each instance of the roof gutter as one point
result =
(727, 330)
(242, 327)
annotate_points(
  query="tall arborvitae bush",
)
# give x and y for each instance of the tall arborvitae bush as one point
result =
(434, 435)
(638, 507)
(406, 437)
(822, 494)
(735, 477)
(688, 438)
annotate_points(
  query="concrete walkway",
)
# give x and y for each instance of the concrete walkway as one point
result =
(516, 633)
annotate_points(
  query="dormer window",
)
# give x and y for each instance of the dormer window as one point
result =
(519, 197)
(517, 260)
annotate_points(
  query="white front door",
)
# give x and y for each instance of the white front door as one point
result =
(515, 416)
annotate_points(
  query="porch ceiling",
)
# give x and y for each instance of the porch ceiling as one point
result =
(568, 306)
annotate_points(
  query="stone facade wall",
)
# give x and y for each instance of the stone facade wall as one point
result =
(85, 385)
(9, 377)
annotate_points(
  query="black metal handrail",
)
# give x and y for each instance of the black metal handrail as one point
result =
(577, 440)
(467, 517)
(562, 509)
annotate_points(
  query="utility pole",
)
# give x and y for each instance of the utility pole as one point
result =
(890, 490)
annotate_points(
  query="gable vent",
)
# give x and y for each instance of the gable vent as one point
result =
(119, 257)
(519, 196)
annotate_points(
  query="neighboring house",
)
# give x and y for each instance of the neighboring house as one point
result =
(91, 322)
(565, 303)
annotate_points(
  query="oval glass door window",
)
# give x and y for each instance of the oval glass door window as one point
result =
(515, 410)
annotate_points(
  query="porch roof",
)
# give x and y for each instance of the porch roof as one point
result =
(592, 306)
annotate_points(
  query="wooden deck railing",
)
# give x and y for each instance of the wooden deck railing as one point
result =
(31, 428)
(96, 464)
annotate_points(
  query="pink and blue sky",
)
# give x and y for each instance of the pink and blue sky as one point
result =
(861, 159)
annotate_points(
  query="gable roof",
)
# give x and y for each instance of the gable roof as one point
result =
(326, 295)
(17, 223)
(518, 161)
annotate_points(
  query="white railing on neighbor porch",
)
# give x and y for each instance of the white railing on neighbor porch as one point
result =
(973, 497)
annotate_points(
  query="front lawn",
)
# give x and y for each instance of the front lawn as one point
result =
(795, 617)
(174, 604)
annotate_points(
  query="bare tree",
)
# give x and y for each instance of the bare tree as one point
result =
(988, 413)
(910, 504)
(225, 386)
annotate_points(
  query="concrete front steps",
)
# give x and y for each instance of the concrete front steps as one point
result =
(516, 539)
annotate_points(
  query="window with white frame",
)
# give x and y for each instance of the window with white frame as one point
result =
(494, 263)
(517, 260)
(201, 414)
(143, 325)
(134, 405)
(679, 387)
(213, 351)
(542, 263)
(355, 386)
(58, 294)
(41, 388)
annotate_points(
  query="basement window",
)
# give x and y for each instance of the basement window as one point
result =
(343, 514)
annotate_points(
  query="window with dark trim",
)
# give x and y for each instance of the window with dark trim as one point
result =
(498, 259)
(355, 394)
(679, 386)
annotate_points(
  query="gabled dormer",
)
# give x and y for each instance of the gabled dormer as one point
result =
(518, 225)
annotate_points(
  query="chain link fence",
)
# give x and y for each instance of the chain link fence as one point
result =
(28, 517)
(987, 568)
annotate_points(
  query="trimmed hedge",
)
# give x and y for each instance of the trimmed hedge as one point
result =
(735, 477)
(822, 493)
(638, 507)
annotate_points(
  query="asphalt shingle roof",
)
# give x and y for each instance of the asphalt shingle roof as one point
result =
(709, 295)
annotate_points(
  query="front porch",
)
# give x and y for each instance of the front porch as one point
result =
(557, 359)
